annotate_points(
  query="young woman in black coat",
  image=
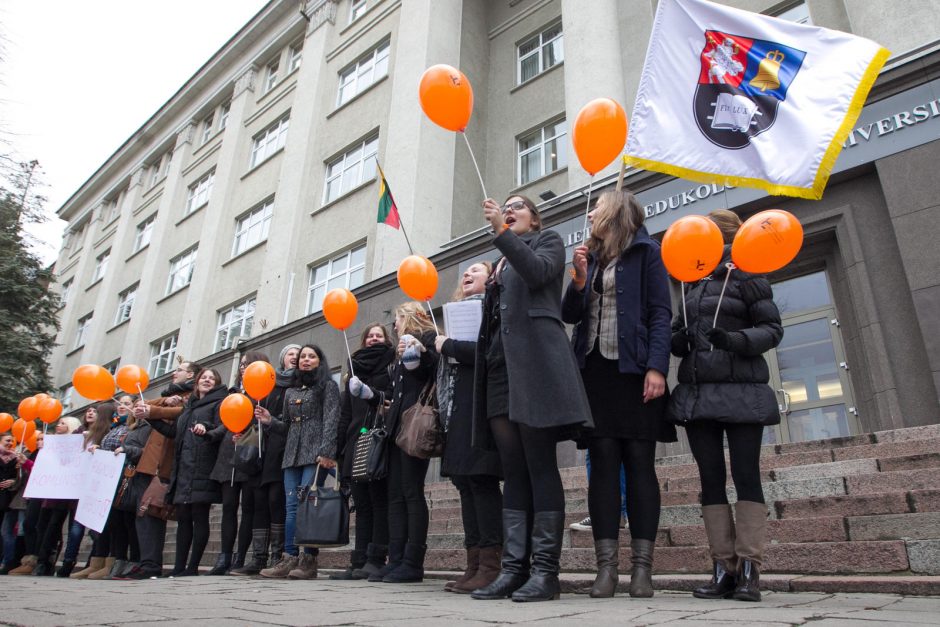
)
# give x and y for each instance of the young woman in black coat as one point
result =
(474, 472)
(723, 392)
(527, 397)
(362, 405)
(196, 435)
(619, 301)
(407, 509)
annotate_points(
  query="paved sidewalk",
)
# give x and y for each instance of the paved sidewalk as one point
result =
(239, 601)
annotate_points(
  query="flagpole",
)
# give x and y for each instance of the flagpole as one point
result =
(401, 222)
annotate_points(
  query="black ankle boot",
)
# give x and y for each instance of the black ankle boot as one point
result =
(222, 564)
(357, 560)
(543, 584)
(411, 569)
(721, 586)
(748, 588)
(396, 551)
(514, 567)
(66, 568)
(238, 561)
(375, 561)
(259, 556)
(43, 569)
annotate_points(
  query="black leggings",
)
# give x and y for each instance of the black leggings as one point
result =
(192, 530)
(31, 526)
(481, 507)
(530, 466)
(407, 509)
(119, 534)
(269, 505)
(50, 525)
(706, 439)
(643, 500)
(371, 499)
(230, 499)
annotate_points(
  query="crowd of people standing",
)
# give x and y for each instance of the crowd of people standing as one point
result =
(504, 402)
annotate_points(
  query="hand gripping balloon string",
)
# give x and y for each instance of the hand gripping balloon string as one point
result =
(348, 354)
(730, 266)
(584, 230)
(480, 176)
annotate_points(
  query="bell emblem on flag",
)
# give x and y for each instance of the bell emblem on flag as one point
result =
(768, 72)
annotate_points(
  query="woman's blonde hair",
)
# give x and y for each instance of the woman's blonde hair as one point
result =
(728, 223)
(417, 321)
(613, 230)
(458, 292)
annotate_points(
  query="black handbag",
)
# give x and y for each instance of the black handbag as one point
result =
(370, 454)
(247, 455)
(127, 496)
(322, 515)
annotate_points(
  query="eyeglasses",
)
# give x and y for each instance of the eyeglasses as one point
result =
(515, 206)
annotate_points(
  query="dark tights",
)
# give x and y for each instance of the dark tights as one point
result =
(124, 544)
(50, 523)
(481, 507)
(530, 466)
(230, 525)
(371, 499)
(31, 526)
(270, 506)
(637, 457)
(706, 439)
(192, 530)
(407, 508)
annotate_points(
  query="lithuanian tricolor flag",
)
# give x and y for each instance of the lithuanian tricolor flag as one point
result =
(388, 212)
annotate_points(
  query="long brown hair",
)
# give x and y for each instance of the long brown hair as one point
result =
(530, 205)
(728, 223)
(215, 373)
(369, 327)
(614, 227)
(458, 292)
(102, 424)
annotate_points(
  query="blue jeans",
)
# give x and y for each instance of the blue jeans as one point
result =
(294, 477)
(76, 533)
(10, 519)
(623, 483)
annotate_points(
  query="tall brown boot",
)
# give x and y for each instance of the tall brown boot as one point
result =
(608, 554)
(487, 570)
(750, 536)
(719, 527)
(473, 562)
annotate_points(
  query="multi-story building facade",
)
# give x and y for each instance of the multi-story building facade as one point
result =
(221, 223)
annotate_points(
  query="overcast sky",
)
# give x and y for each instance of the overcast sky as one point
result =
(78, 78)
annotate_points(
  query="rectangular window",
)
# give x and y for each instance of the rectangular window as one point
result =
(269, 141)
(111, 210)
(223, 115)
(270, 76)
(112, 366)
(347, 269)
(351, 169)
(144, 232)
(65, 396)
(540, 52)
(125, 304)
(162, 354)
(356, 9)
(167, 160)
(199, 192)
(181, 270)
(155, 174)
(798, 14)
(65, 292)
(207, 128)
(542, 151)
(252, 227)
(82, 330)
(234, 322)
(295, 55)
(360, 75)
(101, 265)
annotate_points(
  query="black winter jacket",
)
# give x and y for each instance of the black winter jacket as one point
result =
(726, 385)
(354, 411)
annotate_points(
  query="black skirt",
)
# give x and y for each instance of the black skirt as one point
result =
(617, 403)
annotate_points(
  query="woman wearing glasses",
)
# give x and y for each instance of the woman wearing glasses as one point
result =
(528, 396)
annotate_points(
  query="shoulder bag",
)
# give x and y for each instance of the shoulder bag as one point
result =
(154, 503)
(421, 434)
(370, 454)
(322, 515)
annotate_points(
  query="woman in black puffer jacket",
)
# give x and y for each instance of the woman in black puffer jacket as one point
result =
(196, 435)
(723, 391)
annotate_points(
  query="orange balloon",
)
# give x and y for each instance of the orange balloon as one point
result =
(767, 241)
(31, 443)
(446, 97)
(41, 397)
(417, 277)
(599, 133)
(6, 422)
(236, 411)
(692, 247)
(259, 379)
(129, 377)
(93, 382)
(22, 429)
(50, 410)
(28, 408)
(340, 308)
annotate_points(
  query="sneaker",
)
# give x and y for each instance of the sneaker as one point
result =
(582, 525)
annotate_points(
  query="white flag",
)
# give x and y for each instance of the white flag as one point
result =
(732, 97)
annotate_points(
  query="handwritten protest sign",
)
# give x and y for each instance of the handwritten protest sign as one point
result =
(58, 473)
(103, 472)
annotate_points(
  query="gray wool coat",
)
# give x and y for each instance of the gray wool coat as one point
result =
(310, 419)
(545, 388)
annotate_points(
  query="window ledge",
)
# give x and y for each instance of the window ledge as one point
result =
(343, 197)
(279, 84)
(94, 283)
(137, 252)
(261, 163)
(192, 213)
(245, 252)
(518, 189)
(172, 294)
(118, 325)
(74, 350)
(536, 77)
(356, 97)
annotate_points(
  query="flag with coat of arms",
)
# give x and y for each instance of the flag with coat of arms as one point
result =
(732, 97)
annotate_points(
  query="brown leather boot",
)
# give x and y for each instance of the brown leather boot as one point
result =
(719, 527)
(608, 554)
(473, 562)
(96, 564)
(641, 577)
(487, 570)
(306, 567)
(750, 535)
(282, 568)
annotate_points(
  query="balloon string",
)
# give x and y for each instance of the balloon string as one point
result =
(476, 167)
(260, 439)
(233, 465)
(685, 315)
(348, 354)
(587, 210)
(730, 267)
(433, 321)
(140, 392)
